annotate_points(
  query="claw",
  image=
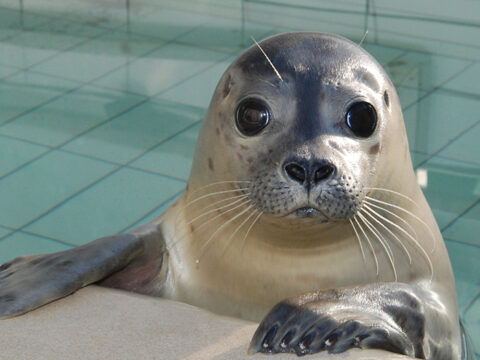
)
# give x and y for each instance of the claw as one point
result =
(267, 340)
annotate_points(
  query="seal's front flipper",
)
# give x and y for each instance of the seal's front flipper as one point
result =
(32, 281)
(383, 316)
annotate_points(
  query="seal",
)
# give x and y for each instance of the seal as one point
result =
(302, 188)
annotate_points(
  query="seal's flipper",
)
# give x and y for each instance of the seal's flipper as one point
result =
(32, 281)
(382, 316)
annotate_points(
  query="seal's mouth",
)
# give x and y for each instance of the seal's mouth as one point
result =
(308, 212)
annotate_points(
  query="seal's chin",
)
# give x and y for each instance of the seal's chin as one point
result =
(308, 212)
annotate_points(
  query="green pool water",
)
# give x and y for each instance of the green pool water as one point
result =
(101, 103)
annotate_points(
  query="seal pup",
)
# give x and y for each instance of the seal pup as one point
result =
(302, 188)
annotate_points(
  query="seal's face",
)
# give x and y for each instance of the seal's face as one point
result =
(305, 132)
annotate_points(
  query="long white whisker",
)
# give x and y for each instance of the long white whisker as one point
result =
(220, 183)
(250, 228)
(370, 212)
(237, 229)
(394, 215)
(409, 213)
(425, 254)
(226, 223)
(363, 39)
(369, 243)
(217, 209)
(268, 59)
(393, 192)
(223, 213)
(213, 194)
(385, 245)
(225, 200)
(359, 241)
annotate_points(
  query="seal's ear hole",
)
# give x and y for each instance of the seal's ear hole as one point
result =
(252, 116)
(361, 118)
(227, 86)
(386, 98)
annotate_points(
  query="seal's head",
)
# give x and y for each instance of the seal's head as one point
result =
(301, 119)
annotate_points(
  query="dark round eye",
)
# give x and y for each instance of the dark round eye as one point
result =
(252, 117)
(362, 119)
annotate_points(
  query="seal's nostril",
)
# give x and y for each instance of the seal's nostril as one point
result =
(296, 172)
(323, 172)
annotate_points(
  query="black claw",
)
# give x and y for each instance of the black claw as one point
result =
(268, 339)
(303, 346)
(286, 340)
(331, 340)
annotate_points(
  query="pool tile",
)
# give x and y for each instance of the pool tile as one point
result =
(418, 158)
(461, 148)
(383, 54)
(32, 190)
(466, 82)
(173, 156)
(31, 47)
(132, 133)
(467, 227)
(14, 153)
(25, 90)
(14, 20)
(409, 96)
(3, 231)
(424, 71)
(105, 14)
(69, 115)
(437, 119)
(226, 34)
(451, 187)
(20, 244)
(96, 57)
(155, 213)
(164, 23)
(21, 50)
(67, 31)
(109, 206)
(163, 68)
(7, 71)
(198, 90)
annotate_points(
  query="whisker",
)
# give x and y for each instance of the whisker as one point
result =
(367, 210)
(268, 59)
(394, 215)
(359, 241)
(217, 209)
(226, 223)
(385, 245)
(250, 228)
(409, 213)
(392, 192)
(363, 39)
(219, 183)
(222, 213)
(237, 229)
(227, 199)
(213, 194)
(415, 241)
(369, 243)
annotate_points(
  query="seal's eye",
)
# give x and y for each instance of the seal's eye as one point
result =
(252, 116)
(362, 119)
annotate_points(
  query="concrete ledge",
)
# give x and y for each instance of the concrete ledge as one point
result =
(101, 323)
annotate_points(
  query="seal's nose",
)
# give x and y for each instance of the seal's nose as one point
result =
(309, 172)
(323, 171)
(296, 172)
